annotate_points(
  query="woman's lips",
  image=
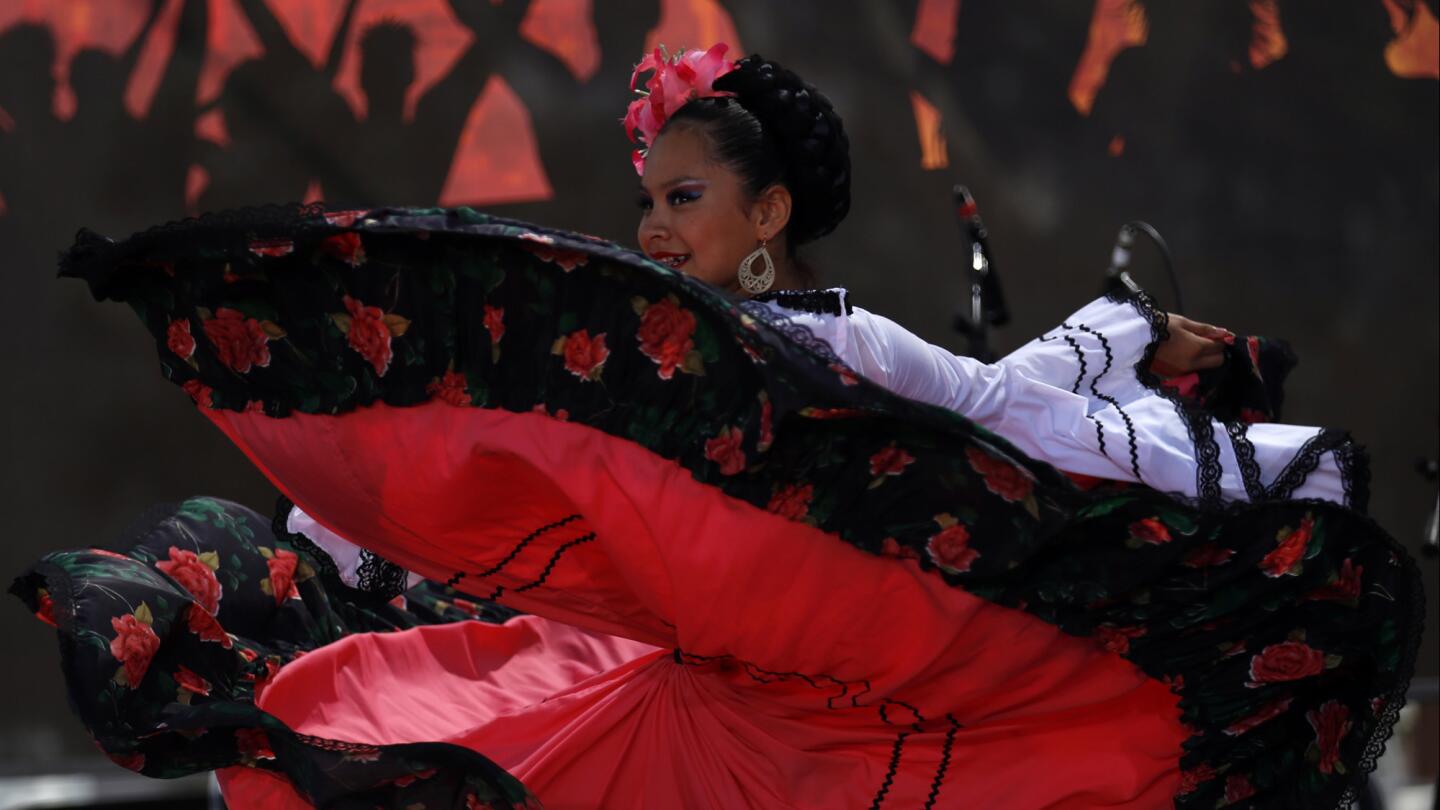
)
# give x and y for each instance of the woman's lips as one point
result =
(672, 260)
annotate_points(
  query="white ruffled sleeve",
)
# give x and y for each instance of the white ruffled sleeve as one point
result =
(1092, 353)
(1118, 429)
(351, 561)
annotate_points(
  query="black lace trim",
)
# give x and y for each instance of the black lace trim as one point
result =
(1394, 700)
(1306, 459)
(1354, 464)
(1198, 425)
(1207, 456)
(378, 576)
(324, 565)
(797, 333)
(379, 580)
(820, 302)
(1245, 457)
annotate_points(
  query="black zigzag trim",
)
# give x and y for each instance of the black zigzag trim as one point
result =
(1112, 402)
(944, 763)
(1075, 389)
(1099, 434)
(756, 673)
(764, 676)
(514, 552)
(884, 702)
(1079, 355)
(890, 772)
(549, 566)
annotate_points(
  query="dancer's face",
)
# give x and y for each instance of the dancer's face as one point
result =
(694, 213)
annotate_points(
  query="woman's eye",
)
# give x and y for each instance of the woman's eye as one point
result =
(682, 197)
(643, 203)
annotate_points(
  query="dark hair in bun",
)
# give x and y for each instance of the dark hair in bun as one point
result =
(777, 128)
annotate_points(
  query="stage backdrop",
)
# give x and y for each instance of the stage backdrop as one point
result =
(1287, 150)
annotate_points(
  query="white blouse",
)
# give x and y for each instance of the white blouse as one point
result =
(1071, 398)
(348, 557)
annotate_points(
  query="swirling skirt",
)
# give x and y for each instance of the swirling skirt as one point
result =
(829, 596)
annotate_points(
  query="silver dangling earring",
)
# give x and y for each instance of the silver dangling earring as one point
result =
(752, 283)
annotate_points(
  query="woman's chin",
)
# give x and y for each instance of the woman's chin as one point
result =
(713, 279)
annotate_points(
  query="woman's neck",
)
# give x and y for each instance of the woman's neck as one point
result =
(788, 275)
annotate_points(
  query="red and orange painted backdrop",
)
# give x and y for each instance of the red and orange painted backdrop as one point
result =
(497, 161)
(1293, 173)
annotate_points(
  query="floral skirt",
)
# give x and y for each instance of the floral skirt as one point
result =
(750, 578)
(171, 634)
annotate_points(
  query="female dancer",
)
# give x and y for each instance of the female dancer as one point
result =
(763, 568)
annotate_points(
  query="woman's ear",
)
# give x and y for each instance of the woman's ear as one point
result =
(771, 211)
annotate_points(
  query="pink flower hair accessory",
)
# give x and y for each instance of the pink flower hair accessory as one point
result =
(676, 80)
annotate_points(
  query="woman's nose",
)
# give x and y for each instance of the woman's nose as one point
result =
(653, 229)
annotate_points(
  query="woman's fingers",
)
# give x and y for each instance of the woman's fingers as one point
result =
(1206, 330)
(1164, 369)
(1192, 346)
(1208, 348)
(1200, 353)
(1209, 359)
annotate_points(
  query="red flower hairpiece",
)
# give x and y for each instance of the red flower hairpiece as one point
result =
(676, 80)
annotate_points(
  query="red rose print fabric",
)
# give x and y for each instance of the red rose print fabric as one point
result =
(239, 342)
(195, 575)
(584, 354)
(666, 336)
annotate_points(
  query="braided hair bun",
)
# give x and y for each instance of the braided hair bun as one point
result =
(776, 127)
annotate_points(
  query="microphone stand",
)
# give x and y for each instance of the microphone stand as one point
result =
(1117, 276)
(987, 303)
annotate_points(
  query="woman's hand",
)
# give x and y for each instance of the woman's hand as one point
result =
(1192, 346)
